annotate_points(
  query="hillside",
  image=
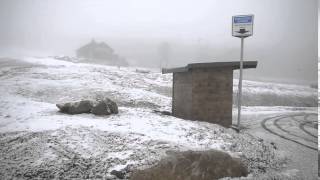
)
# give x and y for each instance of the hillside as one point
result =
(38, 141)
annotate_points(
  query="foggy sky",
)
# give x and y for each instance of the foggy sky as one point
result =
(284, 41)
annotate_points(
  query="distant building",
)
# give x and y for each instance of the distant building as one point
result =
(203, 91)
(100, 53)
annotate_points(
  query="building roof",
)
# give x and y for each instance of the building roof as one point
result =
(232, 64)
(96, 45)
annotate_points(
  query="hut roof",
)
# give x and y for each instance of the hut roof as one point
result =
(232, 64)
(94, 45)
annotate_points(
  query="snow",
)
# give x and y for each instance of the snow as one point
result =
(30, 88)
(39, 116)
(29, 97)
(259, 110)
(275, 94)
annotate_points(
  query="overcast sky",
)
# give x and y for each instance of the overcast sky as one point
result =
(284, 40)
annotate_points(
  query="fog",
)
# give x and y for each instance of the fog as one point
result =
(284, 41)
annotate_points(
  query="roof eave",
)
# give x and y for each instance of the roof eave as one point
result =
(233, 65)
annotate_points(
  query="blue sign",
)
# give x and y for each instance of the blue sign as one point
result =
(242, 25)
(242, 19)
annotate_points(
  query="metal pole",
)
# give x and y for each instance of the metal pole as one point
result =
(240, 83)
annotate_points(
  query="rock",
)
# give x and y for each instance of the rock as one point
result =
(143, 71)
(76, 107)
(98, 107)
(118, 174)
(193, 165)
(104, 107)
(167, 113)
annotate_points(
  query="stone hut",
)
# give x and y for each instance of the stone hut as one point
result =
(203, 91)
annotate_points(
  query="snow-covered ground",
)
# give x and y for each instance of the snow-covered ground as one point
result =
(274, 94)
(38, 141)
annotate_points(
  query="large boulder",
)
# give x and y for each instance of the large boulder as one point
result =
(104, 107)
(75, 107)
(193, 165)
(98, 107)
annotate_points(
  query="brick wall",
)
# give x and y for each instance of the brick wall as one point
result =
(182, 95)
(204, 94)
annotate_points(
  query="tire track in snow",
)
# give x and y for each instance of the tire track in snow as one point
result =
(302, 126)
(277, 118)
(276, 123)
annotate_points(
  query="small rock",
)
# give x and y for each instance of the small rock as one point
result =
(163, 112)
(143, 71)
(118, 174)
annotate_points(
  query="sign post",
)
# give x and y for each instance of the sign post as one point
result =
(242, 27)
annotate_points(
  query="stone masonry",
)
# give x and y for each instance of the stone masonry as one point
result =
(203, 91)
(204, 94)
